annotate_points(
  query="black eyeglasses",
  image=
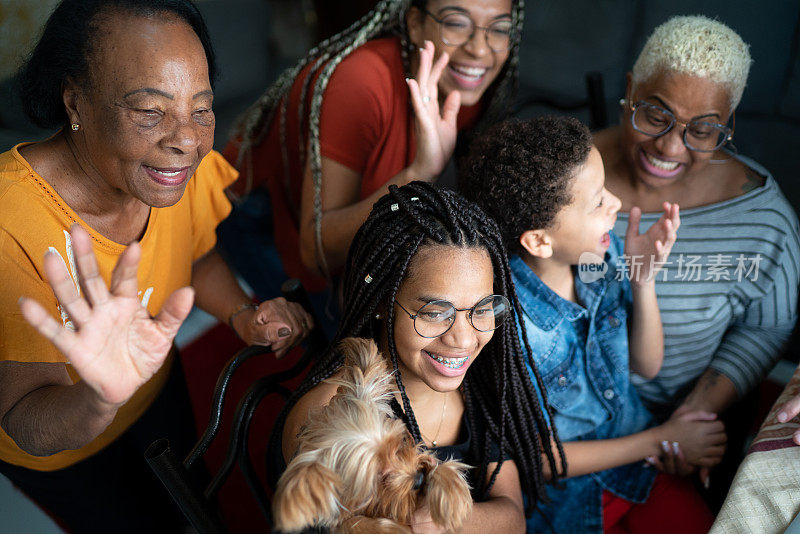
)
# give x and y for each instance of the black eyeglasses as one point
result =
(455, 29)
(437, 317)
(699, 135)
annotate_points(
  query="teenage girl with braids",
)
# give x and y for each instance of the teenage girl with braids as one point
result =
(348, 120)
(427, 278)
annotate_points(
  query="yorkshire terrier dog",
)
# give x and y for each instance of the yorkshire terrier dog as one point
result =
(357, 469)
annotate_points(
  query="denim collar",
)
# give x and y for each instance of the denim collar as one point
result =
(543, 305)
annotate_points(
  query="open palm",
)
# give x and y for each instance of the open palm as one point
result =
(116, 346)
(435, 128)
(649, 251)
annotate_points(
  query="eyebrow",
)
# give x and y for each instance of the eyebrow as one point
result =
(466, 12)
(427, 299)
(154, 91)
(665, 106)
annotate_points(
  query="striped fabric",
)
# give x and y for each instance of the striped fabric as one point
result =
(727, 294)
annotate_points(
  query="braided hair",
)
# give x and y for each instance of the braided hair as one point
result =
(387, 18)
(502, 405)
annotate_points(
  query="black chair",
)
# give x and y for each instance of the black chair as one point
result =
(595, 102)
(199, 505)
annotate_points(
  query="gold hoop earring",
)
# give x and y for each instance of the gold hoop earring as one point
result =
(75, 126)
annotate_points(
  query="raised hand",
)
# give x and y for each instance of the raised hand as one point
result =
(116, 346)
(277, 322)
(435, 128)
(648, 251)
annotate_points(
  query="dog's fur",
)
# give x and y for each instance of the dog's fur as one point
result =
(356, 464)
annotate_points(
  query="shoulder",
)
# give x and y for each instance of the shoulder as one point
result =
(607, 143)
(373, 68)
(214, 169)
(318, 397)
(27, 201)
(13, 170)
(207, 185)
(381, 54)
(762, 203)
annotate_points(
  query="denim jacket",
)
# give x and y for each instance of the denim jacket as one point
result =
(582, 355)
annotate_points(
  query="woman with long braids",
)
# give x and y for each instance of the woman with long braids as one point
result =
(427, 278)
(348, 120)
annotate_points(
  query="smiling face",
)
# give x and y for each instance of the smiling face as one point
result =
(461, 276)
(664, 161)
(473, 66)
(583, 225)
(145, 113)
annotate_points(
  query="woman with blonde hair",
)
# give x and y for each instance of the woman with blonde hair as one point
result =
(728, 296)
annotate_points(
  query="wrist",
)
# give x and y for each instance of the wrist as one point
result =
(657, 435)
(241, 313)
(646, 285)
(99, 406)
(416, 172)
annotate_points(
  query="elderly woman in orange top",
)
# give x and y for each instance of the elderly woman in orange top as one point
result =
(103, 227)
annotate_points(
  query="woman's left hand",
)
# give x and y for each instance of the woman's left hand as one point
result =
(647, 252)
(278, 323)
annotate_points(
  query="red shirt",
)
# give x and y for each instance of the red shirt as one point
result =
(366, 124)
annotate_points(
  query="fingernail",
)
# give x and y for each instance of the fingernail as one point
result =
(407, 79)
(665, 445)
(782, 417)
(283, 332)
(707, 482)
(675, 448)
(651, 460)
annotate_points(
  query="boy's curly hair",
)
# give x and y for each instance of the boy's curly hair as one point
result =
(520, 171)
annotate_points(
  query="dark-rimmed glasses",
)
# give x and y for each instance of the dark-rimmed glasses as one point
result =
(699, 135)
(437, 317)
(455, 29)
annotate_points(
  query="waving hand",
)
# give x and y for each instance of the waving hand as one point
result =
(116, 346)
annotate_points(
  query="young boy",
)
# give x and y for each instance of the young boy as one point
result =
(589, 324)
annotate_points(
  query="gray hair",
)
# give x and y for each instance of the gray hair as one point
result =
(698, 46)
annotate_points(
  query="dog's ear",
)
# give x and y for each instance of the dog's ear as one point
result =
(307, 495)
(447, 494)
(359, 352)
(360, 524)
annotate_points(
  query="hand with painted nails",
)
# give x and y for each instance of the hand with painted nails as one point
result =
(649, 251)
(435, 122)
(277, 322)
(115, 346)
(690, 440)
(789, 411)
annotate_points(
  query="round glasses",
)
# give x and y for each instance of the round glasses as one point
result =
(699, 135)
(455, 29)
(437, 317)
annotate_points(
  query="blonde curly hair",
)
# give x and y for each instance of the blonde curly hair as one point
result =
(698, 46)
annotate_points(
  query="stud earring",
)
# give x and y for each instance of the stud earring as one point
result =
(378, 316)
(75, 126)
